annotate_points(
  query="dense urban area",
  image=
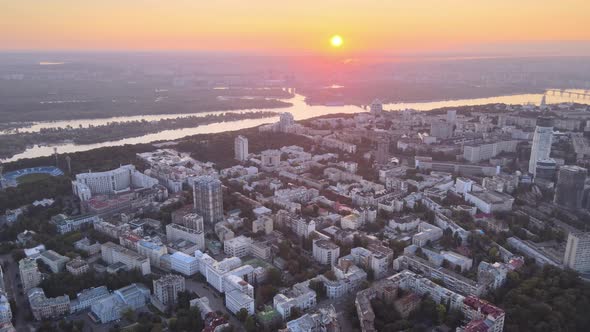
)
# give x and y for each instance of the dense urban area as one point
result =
(470, 219)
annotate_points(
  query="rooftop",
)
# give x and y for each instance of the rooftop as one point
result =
(239, 297)
(483, 306)
(53, 256)
(326, 244)
(183, 257)
(76, 263)
(493, 197)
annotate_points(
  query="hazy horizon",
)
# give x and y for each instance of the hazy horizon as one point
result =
(367, 28)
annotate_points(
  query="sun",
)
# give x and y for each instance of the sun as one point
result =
(336, 41)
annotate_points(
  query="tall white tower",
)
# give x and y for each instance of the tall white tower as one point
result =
(542, 140)
(69, 161)
(452, 116)
(543, 102)
(241, 148)
(208, 198)
(55, 154)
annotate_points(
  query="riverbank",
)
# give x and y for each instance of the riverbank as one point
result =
(16, 143)
(21, 115)
(299, 109)
(392, 92)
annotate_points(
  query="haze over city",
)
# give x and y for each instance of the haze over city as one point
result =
(294, 166)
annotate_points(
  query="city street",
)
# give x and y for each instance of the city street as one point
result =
(11, 282)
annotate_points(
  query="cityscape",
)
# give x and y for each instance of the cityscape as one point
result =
(212, 177)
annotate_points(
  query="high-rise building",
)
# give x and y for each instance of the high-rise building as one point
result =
(569, 190)
(546, 169)
(30, 275)
(286, 121)
(452, 116)
(577, 251)
(376, 107)
(241, 148)
(542, 139)
(1, 279)
(166, 289)
(382, 156)
(208, 198)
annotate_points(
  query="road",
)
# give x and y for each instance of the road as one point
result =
(11, 282)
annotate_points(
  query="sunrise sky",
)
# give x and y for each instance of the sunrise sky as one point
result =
(298, 26)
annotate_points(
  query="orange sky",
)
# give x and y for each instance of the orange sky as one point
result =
(288, 26)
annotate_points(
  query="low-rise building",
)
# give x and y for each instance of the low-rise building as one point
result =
(238, 246)
(152, 250)
(77, 267)
(475, 153)
(325, 319)
(494, 275)
(236, 300)
(427, 233)
(450, 279)
(86, 246)
(490, 201)
(183, 263)
(260, 250)
(44, 307)
(457, 260)
(175, 232)
(87, 297)
(300, 297)
(65, 224)
(5, 311)
(375, 258)
(111, 230)
(482, 316)
(351, 221)
(111, 307)
(55, 261)
(215, 271)
(263, 224)
(114, 253)
(405, 223)
(348, 279)
(531, 251)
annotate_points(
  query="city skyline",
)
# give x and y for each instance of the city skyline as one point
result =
(336, 165)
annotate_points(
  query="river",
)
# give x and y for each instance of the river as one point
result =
(300, 111)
